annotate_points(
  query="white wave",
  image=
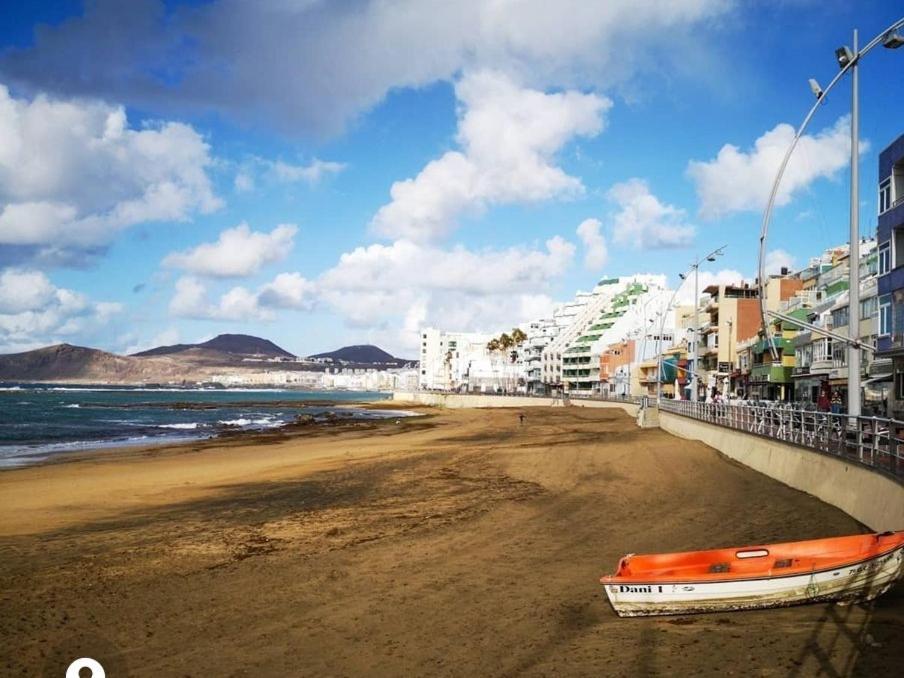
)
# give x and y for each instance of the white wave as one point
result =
(191, 425)
(72, 405)
(266, 422)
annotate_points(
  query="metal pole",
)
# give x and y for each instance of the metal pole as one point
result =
(694, 385)
(854, 258)
(659, 364)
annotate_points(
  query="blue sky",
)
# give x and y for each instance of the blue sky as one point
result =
(323, 174)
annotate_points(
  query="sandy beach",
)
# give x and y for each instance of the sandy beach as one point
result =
(461, 542)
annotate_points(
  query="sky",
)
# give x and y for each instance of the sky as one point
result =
(331, 173)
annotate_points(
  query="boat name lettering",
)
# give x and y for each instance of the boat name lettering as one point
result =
(639, 589)
(870, 565)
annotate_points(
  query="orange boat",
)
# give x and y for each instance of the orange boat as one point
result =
(858, 567)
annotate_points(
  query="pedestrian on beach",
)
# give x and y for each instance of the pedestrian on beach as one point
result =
(521, 418)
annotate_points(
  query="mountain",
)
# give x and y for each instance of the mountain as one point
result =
(64, 362)
(235, 344)
(362, 354)
(61, 361)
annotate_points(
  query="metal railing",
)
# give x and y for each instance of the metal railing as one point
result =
(870, 441)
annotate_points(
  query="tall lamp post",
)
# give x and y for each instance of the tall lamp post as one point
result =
(695, 267)
(848, 60)
(664, 313)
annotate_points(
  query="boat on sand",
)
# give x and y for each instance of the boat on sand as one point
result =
(844, 569)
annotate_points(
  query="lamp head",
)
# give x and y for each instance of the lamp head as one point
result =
(711, 258)
(815, 88)
(893, 40)
(844, 56)
(682, 276)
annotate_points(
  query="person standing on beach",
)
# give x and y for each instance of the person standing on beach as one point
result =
(521, 418)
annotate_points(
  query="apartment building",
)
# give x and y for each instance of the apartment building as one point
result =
(616, 309)
(564, 318)
(889, 364)
(820, 362)
(729, 314)
(447, 357)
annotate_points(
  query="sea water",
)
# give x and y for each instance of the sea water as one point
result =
(38, 421)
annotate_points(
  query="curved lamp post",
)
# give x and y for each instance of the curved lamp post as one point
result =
(695, 267)
(848, 60)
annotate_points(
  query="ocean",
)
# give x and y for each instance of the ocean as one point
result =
(39, 420)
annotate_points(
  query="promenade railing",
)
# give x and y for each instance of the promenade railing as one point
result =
(871, 441)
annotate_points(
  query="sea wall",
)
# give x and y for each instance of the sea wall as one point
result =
(461, 400)
(868, 496)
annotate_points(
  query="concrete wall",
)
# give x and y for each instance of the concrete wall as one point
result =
(457, 400)
(867, 496)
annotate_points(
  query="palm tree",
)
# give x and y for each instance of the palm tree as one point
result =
(518, 336)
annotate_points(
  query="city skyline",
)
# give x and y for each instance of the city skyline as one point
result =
(173, 171)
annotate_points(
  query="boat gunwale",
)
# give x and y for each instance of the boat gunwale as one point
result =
(610, 579)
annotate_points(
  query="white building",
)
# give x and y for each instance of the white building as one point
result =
(461, 361)
(572, 359)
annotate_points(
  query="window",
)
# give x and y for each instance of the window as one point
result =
(899, 385)
(840, 317)
(898, 250)
(869, 308)
(885, 315)
(839, 353)
(885, 195)
(885, 257)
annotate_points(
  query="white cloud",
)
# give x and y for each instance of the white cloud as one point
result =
(190, 299)
(386, 290)
(285, 291)
(776, 260)
(243, 182)
(288, 290)
(311, 173)
(72, 173)
(390, 289)
(595, 252)
(508, 137)
(23, 290)
(643, 221)
(238, 252)
(34, 312)
(237, 304)
(269, 61)
(736, 180)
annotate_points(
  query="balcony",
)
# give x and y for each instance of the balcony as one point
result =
(821, 366)
(773, 374)
(781, 344)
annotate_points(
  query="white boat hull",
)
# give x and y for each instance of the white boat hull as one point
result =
(860, 581)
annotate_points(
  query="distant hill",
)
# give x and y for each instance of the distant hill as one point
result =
(235, 344)
(177, 364)
(362, 354)
(64, 362)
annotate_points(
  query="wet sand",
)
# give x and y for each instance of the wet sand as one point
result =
(459, 543)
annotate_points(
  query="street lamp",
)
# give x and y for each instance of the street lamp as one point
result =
(893, 40)
(848, 60)
(695, 267)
